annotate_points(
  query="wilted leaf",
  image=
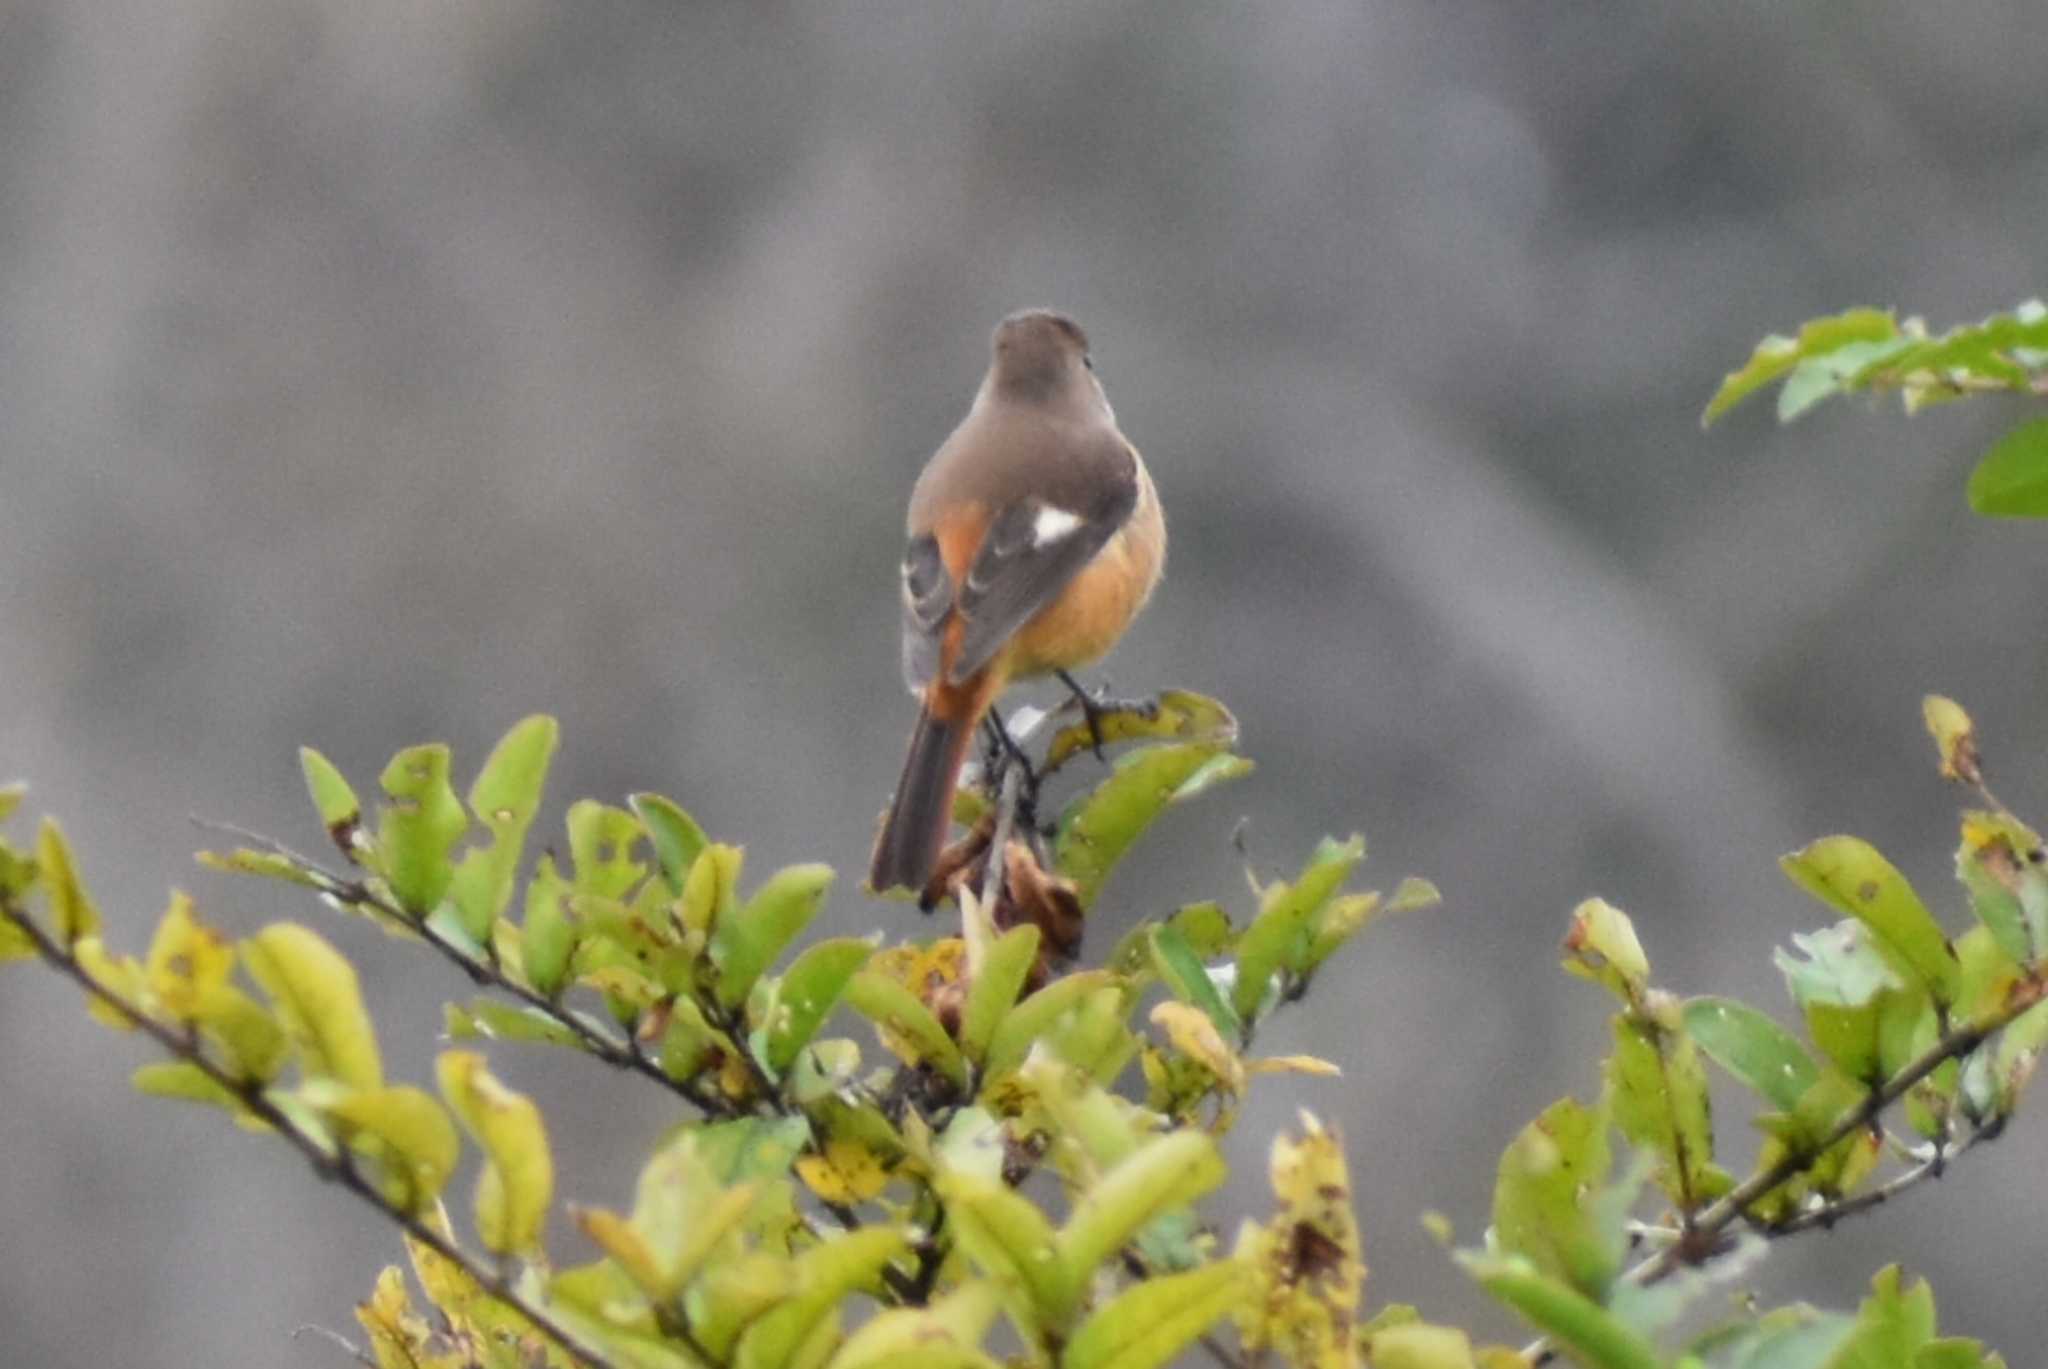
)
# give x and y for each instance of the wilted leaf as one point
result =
(1306, 1261)
(1955, 739)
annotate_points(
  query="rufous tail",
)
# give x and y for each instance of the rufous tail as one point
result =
(921, 814)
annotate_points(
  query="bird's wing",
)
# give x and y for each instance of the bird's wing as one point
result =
(1033, 547)
(927, 599)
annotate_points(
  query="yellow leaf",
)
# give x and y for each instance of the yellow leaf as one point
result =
(518, 1180)
(1293, 1064)
(188, 963)
(407, 1132)
(318, 999)
(846, 1173)
(1309, 1271)
(1193, 1033)
(122, 977)
(1955, 738)
(72, 910)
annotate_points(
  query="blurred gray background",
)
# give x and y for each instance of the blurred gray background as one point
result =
(373, 373)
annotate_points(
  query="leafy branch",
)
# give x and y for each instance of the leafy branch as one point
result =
(1872, 351)
(332, 1164)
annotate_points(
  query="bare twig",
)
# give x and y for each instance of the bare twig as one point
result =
(334, 1166)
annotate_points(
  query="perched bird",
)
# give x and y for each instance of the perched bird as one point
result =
(1035, 536)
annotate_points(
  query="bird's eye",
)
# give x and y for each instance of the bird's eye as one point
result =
(1088, 361)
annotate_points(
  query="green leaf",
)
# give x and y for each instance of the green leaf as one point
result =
(1659, 1089)
(187, 1083)
(1164, 1172)
(1187, 979)
(72, 910)
(1891, 1325)
(1776, 356)
(504, 798)
(1998, 864)
(1753, 1048)
(550, 930)
(942, 1335)
(824, 1274)
(486, 1019)
(317, 997)
(676, 836)
(995, 987)
(1005, 1236)
(2012, 479)
(1100, 826)
(1581, 1327)
(745, 946)
(341, 813)
(1602, 947)
(1034, 1017)
(711, 893)
(1150, 1322)
(807, 993)
(1848, 874)
(11, 795)
(601, 842)
(1281, 936)
(405, 1131)
(1175, 715)
(907, 1025)
(1545, 1197)
(418, 828)
(518, 1178)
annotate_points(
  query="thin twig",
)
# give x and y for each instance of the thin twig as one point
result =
(1704, 1237)
(333, 1166)
(1932, 1168)
(358, 894)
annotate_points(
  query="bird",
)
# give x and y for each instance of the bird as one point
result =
(1034, 538)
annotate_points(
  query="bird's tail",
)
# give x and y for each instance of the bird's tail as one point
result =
(920, 816)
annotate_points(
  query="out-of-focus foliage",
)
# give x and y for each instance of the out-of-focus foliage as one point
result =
(1869, 351)
(937, 1150)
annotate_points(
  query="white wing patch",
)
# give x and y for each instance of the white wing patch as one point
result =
(1051, 524)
